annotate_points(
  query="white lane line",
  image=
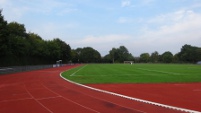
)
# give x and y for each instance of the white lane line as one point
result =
(159, 71)
(21, 99)
(78, 70)
(37, 100)
(104, 100)
(48, 98)
(70, 100)
(135, 99)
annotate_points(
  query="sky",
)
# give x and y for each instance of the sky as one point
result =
(142, 26)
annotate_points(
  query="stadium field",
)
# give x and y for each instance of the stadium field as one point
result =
(136, 73)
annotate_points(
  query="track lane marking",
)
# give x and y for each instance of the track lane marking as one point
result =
(12, 100)
(70, 100)
(132, 98)
(37, 100)
(104, 100)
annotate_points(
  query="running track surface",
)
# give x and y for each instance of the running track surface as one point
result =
(44, 91)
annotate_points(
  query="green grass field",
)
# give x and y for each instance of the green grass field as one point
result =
(137, 73)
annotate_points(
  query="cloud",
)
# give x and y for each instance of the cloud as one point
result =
(16, 10)
(94, 40)
(125, 3)
(147, 2)
(101, 43)
(172, 32)
(123, 20)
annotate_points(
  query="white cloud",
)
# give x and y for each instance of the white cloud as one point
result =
(94, 40)
(101, 43)
(125, 3)
(50, 30)
(173, 31)
(123, 20)
(16, 10)
(147, 2)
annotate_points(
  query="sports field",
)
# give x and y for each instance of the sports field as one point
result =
(136, 73)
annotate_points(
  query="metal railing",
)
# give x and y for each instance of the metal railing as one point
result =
(14, 69)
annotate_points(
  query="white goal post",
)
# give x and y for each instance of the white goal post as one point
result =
(128, 62)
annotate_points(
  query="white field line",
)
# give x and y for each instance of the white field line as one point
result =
(159, 71)
(78, 70)
(132, 98)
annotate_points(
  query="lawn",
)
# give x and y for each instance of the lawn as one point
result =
(136, 73)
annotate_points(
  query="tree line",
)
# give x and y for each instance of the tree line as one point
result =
(17, 47)
(188, 54)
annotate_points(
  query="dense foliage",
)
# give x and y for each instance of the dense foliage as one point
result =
(86, 55)
(118, 55)
(17, 47)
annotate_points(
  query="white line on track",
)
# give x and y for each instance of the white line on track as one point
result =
(37, 100)
(103, 99)
(16, 100)
(78, 70)
(70, 100)
(48, 98)
(132, 98)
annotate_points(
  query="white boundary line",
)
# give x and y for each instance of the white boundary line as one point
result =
(132, 98)
(78, 70)
(159, 71)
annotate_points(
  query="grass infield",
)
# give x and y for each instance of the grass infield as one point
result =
(136, 73)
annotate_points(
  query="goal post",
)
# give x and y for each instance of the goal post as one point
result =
(128, 62)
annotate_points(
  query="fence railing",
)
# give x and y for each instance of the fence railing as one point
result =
(14, 69)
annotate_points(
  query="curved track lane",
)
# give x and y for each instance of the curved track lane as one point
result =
(44, 91)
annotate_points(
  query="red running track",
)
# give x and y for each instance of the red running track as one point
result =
(44, 91)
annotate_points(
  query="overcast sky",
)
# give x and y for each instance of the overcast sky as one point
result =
(140, 25)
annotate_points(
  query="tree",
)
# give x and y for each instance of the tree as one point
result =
(74, 56)
(88, 55)
(113, 54)
(107, 59)
(144, 57)
(20, 48)
(18, 44)
(167, 57)
(120, 54)
(65, 50)
(176, 58)
(154, 57)
(3, 36)
(189, 53)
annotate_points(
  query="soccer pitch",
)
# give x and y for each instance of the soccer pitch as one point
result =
(136, 73)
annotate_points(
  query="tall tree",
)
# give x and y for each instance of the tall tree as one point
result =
(114, 54)
(189, 53)
(120, 54)
(3, 36)
(167, 57)
(144, 57)
(154, 57)
(89, 55)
